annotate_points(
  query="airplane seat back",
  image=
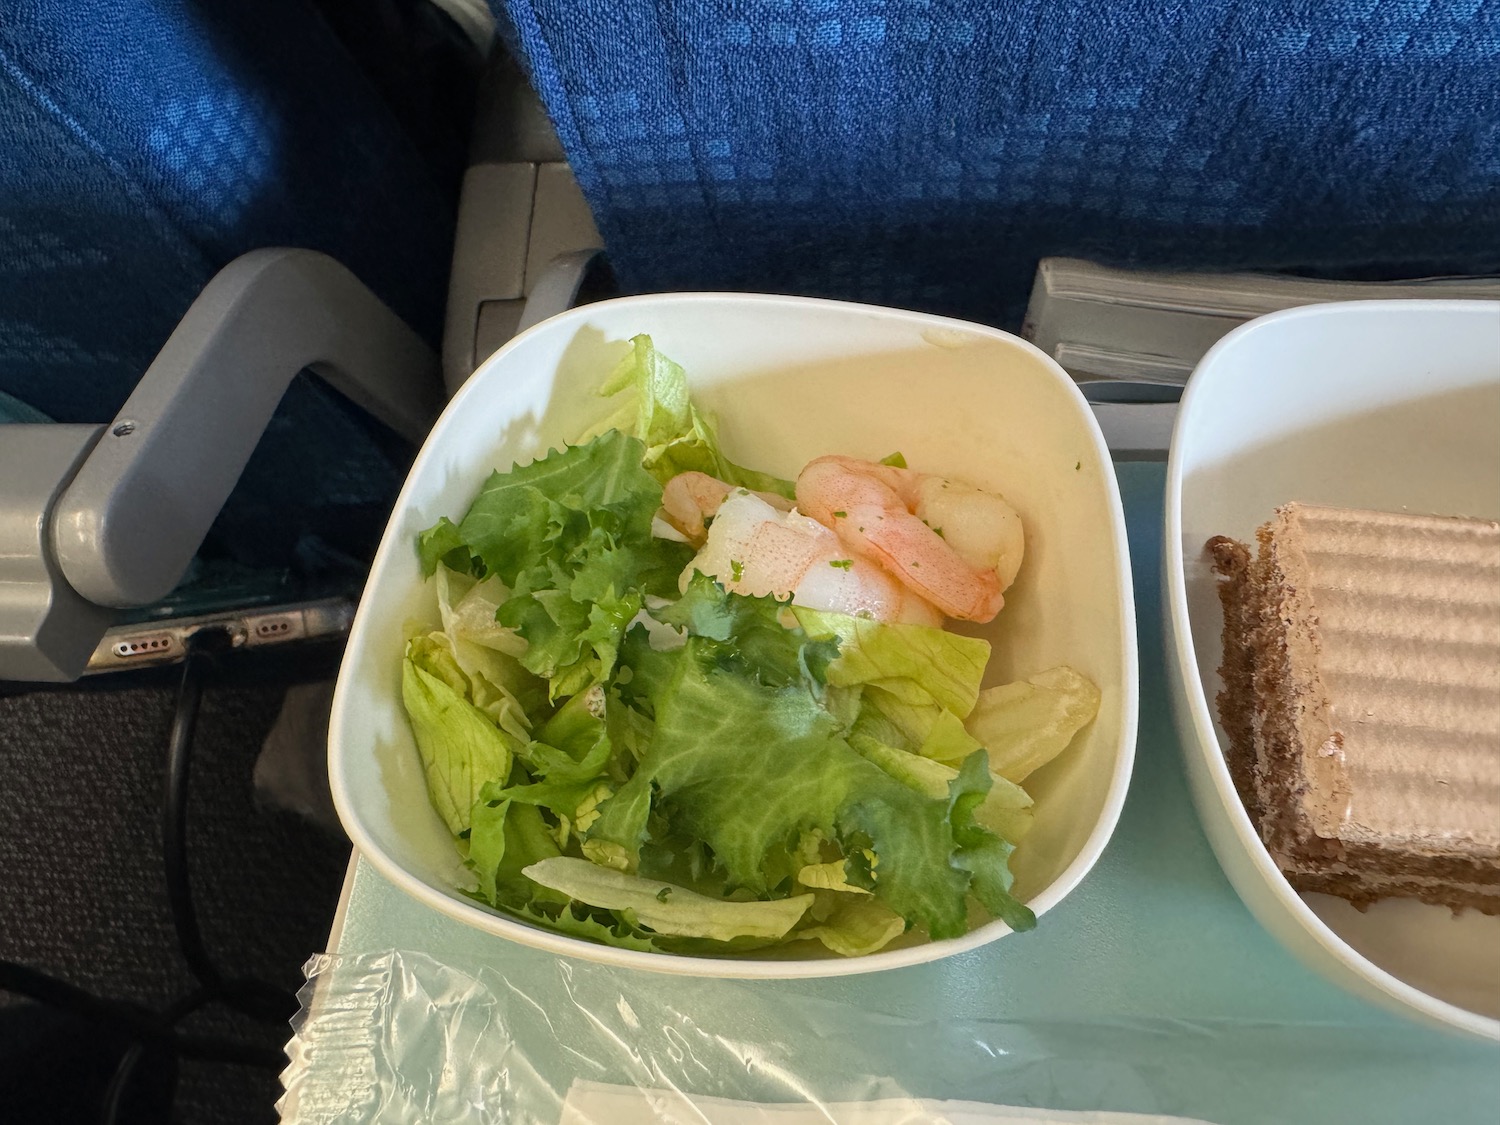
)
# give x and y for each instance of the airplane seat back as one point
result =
(147, 143)
(926, 153)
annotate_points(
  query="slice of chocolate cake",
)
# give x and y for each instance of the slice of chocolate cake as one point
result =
(1362, 700)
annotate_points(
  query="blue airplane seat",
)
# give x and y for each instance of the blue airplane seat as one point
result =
(927, 153)
(146, 143)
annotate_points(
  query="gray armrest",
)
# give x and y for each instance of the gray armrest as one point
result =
(125, 530)
(47, 631)
(112, 516)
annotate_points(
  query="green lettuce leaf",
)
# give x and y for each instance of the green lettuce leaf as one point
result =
(596, 926)
(745, 635)
(615, 839)
(1006, 810)
(853, 926)
(443, 543)
(650, 670)
(526, 516)
(466, 607)
(1024, 725)
(945, 667)
(925, 728)
(567, 550)
(665, 908)
(917, 868)
(655, 406)
(748, 768)
(926, 776)
(486, 652)
(982, 853)
(569, 774)
(460, 746)
(503, 839)
(743, 766)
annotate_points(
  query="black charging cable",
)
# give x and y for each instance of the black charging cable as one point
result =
(255, 998)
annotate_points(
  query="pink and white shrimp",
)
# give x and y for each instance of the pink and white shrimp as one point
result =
(690, 499)
(954, 545)
(759, 548)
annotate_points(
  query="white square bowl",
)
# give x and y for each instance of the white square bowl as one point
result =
(1387, 405)
(789, 379)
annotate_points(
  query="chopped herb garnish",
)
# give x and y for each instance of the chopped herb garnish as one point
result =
(736, 570)
(842, 564)
(664, 894)
(895, 460)
(839, 515)
(1077, 465)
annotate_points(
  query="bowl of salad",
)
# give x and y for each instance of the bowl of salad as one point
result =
(746, 636)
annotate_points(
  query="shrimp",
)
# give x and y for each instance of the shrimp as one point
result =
(690, 499)
(755, 548)
(956, 546)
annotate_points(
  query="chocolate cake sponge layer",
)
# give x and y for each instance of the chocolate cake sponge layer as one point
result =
(1361, 700)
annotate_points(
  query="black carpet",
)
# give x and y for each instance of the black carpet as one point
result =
(82, 893)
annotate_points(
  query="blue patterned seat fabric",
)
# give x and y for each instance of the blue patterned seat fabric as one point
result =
(146, 143)
(927, 152)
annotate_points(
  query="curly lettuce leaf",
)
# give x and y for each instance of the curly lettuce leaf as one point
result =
(615, 839)
(983, 854)
(443, 543)
(918, 867)
(743, 766)
(1024, 725)
(571, 774)
(596, 926)
(745, 634)
(566, 549)
(526, 516)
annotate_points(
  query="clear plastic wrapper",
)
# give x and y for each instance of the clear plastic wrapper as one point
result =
(399, 1037)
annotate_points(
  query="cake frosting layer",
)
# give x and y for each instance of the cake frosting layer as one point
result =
(1400, 675)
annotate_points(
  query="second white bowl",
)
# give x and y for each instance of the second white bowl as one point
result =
(1388, 405)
